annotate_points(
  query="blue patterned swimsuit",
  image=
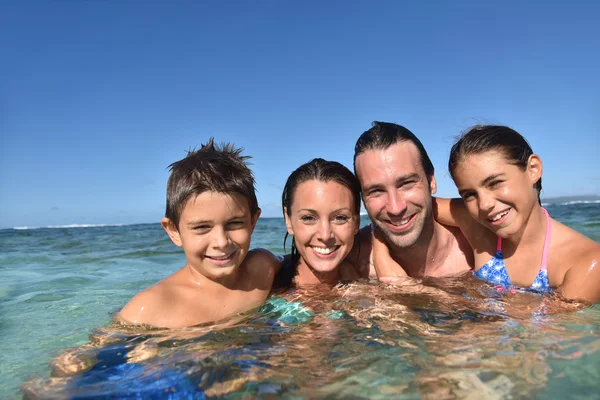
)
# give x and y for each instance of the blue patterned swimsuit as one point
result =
(494, 271)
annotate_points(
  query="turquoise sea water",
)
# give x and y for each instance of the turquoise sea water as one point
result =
(59, 286)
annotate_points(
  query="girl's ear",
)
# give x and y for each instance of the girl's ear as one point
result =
(172, 231)
(534, 168)
(288, 223)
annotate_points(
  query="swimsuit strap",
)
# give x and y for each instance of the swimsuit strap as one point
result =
(546, 241)
(499, 245)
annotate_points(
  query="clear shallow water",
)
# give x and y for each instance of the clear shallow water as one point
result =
(57, 286)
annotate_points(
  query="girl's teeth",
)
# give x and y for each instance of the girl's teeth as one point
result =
(497, 217)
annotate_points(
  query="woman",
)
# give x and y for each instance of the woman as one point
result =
(321, 206)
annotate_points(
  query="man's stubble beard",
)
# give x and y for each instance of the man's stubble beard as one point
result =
(420, 235)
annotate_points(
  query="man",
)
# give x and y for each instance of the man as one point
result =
(397, 182)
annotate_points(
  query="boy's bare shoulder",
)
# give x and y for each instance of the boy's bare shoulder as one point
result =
(152, 306)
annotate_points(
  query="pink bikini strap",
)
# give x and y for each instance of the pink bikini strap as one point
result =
(499, 245)
(546, 241)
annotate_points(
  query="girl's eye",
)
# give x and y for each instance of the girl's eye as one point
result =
(495, 183)
(468, 196)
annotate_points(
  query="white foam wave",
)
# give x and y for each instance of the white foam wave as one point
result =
(568, 203)
(65, 226)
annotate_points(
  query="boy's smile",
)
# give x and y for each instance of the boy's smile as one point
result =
(214, 231)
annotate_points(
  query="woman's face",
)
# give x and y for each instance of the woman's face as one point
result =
(323, 222)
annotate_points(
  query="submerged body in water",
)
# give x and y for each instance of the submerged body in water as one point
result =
(365, 340)
(362, 340)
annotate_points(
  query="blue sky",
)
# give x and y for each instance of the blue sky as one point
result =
(97, 98)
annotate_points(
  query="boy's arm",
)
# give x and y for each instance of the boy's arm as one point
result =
(385, 265)
(582, 282)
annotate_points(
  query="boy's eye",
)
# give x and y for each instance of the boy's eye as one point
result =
(201, 228)
(235, 224)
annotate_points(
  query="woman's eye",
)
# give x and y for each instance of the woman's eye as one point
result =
(307, 218)
(495, 183)
(340, 219)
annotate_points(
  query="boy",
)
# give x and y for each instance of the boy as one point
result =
(211, 213)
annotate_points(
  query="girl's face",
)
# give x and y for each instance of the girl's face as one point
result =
(498, 194)
(323, 222)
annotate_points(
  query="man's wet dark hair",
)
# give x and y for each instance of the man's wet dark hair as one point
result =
(383, 135)
(216, 168)
(483, 138)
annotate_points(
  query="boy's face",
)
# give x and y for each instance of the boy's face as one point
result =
(214, 231)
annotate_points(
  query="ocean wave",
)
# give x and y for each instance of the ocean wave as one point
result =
(65, 226)
(568, 203)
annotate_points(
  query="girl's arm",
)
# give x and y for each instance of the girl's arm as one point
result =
(451, 212)
(582, 282)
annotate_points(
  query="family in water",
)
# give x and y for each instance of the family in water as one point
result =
(497, 229)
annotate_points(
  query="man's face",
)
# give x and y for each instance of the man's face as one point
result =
(396, 192)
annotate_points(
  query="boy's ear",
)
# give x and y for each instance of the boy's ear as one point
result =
(534, 168)
(171, 230)
(288, 223)
(255, 218)
(432, 185)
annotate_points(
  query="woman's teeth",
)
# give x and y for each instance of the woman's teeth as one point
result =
(325, 250)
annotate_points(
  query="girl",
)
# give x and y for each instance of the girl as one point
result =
(515, 242)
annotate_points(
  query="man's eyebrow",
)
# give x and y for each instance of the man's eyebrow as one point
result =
(368, 188)
(407, 177)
